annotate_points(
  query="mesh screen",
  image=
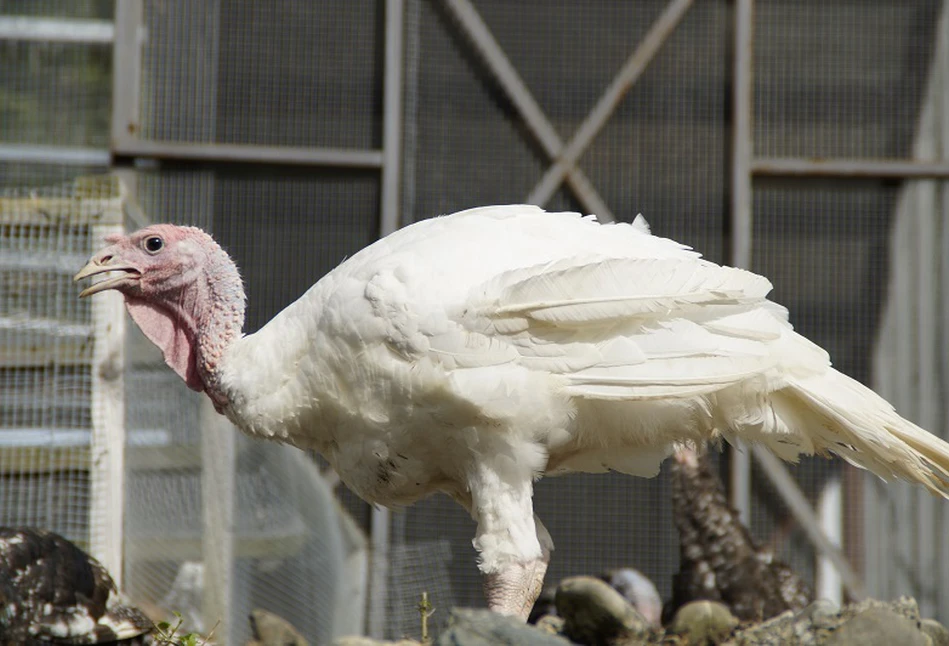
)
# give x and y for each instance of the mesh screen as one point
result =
(468, 147)
(284, 230)
(661, 153)
(297, 74)
(47, 341)
(823, 245)
(18, 174)
(55, 93)
(840, 78)
(822, 87)
(287, 559)
(836, 78)
(89, 9)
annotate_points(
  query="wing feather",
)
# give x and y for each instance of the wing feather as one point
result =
(635, 328)
(625, 287)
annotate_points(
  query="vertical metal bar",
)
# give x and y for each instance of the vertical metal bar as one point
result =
(942, 514)
(107, 468)
(388, 222)
(742, 150)
(392, 117)
(413, 11)
(604, 108)
(828, 580)
(218, 486)
(941, 521)
(378, 572)
(898, 530)
(126, 70)
(927, 395)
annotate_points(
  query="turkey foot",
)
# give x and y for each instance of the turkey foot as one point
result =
(514, 589)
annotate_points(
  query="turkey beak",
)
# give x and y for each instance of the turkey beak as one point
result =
(101, 263)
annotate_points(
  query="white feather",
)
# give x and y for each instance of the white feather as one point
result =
(470, 353)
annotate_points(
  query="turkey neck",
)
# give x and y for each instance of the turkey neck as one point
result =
(218, 324)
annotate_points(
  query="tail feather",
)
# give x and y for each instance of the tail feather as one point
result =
(855, 423)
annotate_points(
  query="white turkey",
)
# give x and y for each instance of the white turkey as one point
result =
(51, 592)
(473, 353)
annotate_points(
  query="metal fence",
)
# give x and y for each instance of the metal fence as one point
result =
(774, 135)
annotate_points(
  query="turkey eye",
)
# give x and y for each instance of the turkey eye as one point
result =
(154, 244)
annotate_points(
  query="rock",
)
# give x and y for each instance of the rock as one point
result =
(594, 613)
(356, 640)
(469, 627)
(273, 630)
(777, 631)
(821, 613)
(868, 622)
(878, 626)
(703, 622)
(550, 624)
(638, 590)
(544, 604)
(938, 634)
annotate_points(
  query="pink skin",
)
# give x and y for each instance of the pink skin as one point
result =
(176, 281)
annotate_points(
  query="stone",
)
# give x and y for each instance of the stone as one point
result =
(937, 633)
(777, 631)
(470, 627)
(703, 622)
(821, 623)
(821, 613)
(878, 626)
(357, 640)
(269, 628)
(550, 624)
(594, 613)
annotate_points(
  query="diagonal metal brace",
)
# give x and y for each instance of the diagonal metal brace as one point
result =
(801, 509)
(566, 158)
(491, 53)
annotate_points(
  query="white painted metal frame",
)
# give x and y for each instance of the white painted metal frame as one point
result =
(380, 518)
(218, 488)
(742, 110)
(126, 129)
(56, 30)
(63, 31)
(107, 442)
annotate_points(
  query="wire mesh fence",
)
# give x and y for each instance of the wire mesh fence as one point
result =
(831, 79)
(54, 408)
